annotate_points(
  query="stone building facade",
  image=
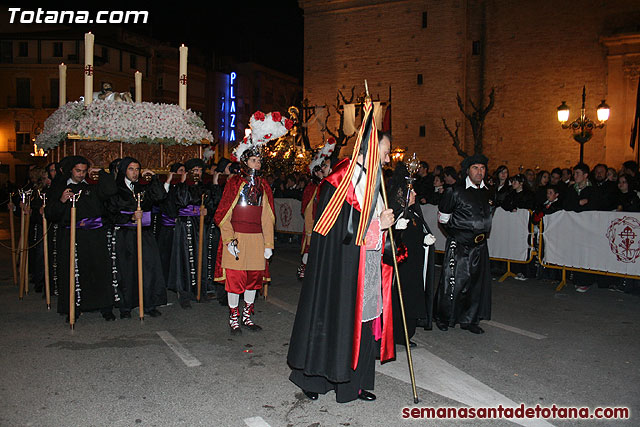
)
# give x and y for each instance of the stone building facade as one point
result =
(421, 53)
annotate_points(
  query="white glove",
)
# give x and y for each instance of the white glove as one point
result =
(305, 257)
(232, 247)
(429, 239)
(402, 224)
(267, 253)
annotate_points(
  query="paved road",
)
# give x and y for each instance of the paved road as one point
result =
(184, 368)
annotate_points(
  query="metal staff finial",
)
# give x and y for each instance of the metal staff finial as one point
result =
(74, 198)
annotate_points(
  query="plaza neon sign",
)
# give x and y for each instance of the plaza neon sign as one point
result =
(232, 106)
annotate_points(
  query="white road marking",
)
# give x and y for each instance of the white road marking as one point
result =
(515, 330)
(440, 377)
(178, 349)
(283, 305)
(256, 422)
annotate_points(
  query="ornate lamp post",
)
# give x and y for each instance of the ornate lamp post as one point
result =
(583, 127)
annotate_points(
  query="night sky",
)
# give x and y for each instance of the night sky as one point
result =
(269, 33)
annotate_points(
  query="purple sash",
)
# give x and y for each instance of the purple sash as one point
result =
(89, 224)
(146, 219)
(191, 210)
(167, 221)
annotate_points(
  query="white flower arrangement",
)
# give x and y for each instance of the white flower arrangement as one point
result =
(124, 122)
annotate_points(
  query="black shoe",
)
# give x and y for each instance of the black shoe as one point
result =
(422, 323)
(474, 329)
(311, 395)
(366, 395)
(109, 316)
(123, 315)
(411, 343)
(153, 313)
(186, 304)
(442, 326)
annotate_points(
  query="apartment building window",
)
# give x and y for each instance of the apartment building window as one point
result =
(424, 19)
(423, 131)
(23, 141)
(23, 93)
(23, 49)
(6, 52)
(57, 49)
(54, 92)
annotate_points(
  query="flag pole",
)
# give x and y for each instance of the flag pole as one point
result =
(397, 275)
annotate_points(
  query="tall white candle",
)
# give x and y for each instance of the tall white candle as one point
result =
(138, 86)
(62, 86)
(182, 78)
(88, 68)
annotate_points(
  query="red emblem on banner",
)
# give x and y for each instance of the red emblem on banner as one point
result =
(624, 238)
(285, 215)
(88, 70)
(183, 79)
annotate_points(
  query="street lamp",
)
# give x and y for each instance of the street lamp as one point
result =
(583, 127)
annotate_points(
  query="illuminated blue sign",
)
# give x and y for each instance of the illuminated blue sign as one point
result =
(232, 107)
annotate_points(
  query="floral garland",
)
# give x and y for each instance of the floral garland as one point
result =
(124, 122)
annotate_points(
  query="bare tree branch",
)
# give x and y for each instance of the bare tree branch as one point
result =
(456, 139)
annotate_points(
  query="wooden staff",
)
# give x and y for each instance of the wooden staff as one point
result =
(200, 245)
(72, 261)
(397, 274)
(27, 223)
(45, 244)
(139, 237)
(13, 242)
(22, 244)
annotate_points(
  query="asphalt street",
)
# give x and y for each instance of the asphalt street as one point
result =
(542, 347)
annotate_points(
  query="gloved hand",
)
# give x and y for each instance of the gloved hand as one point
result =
(232, 247)
(304, 258)
(401, 224)
(267, 253)
(429, 239)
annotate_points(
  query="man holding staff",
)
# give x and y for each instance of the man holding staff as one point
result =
(187, 196)
(93, 290)
(345, 301)
(123, 214)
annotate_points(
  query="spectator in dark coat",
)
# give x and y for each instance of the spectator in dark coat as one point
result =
(540, 189)
(450, 176)
(581, 196)
(627, 199)
(607, 191)
(501, 185)
(520, 197)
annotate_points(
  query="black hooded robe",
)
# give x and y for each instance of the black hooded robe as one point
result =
(125, 247)
(183, 264)
(94, 288)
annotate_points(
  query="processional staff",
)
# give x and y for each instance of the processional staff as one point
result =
(45, 244)
(200, 247)
(72, 260)
(139, 197)
(13, 241)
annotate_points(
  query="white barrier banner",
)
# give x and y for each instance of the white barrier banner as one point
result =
(604, 241)
(509, 233)
(288, 216)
